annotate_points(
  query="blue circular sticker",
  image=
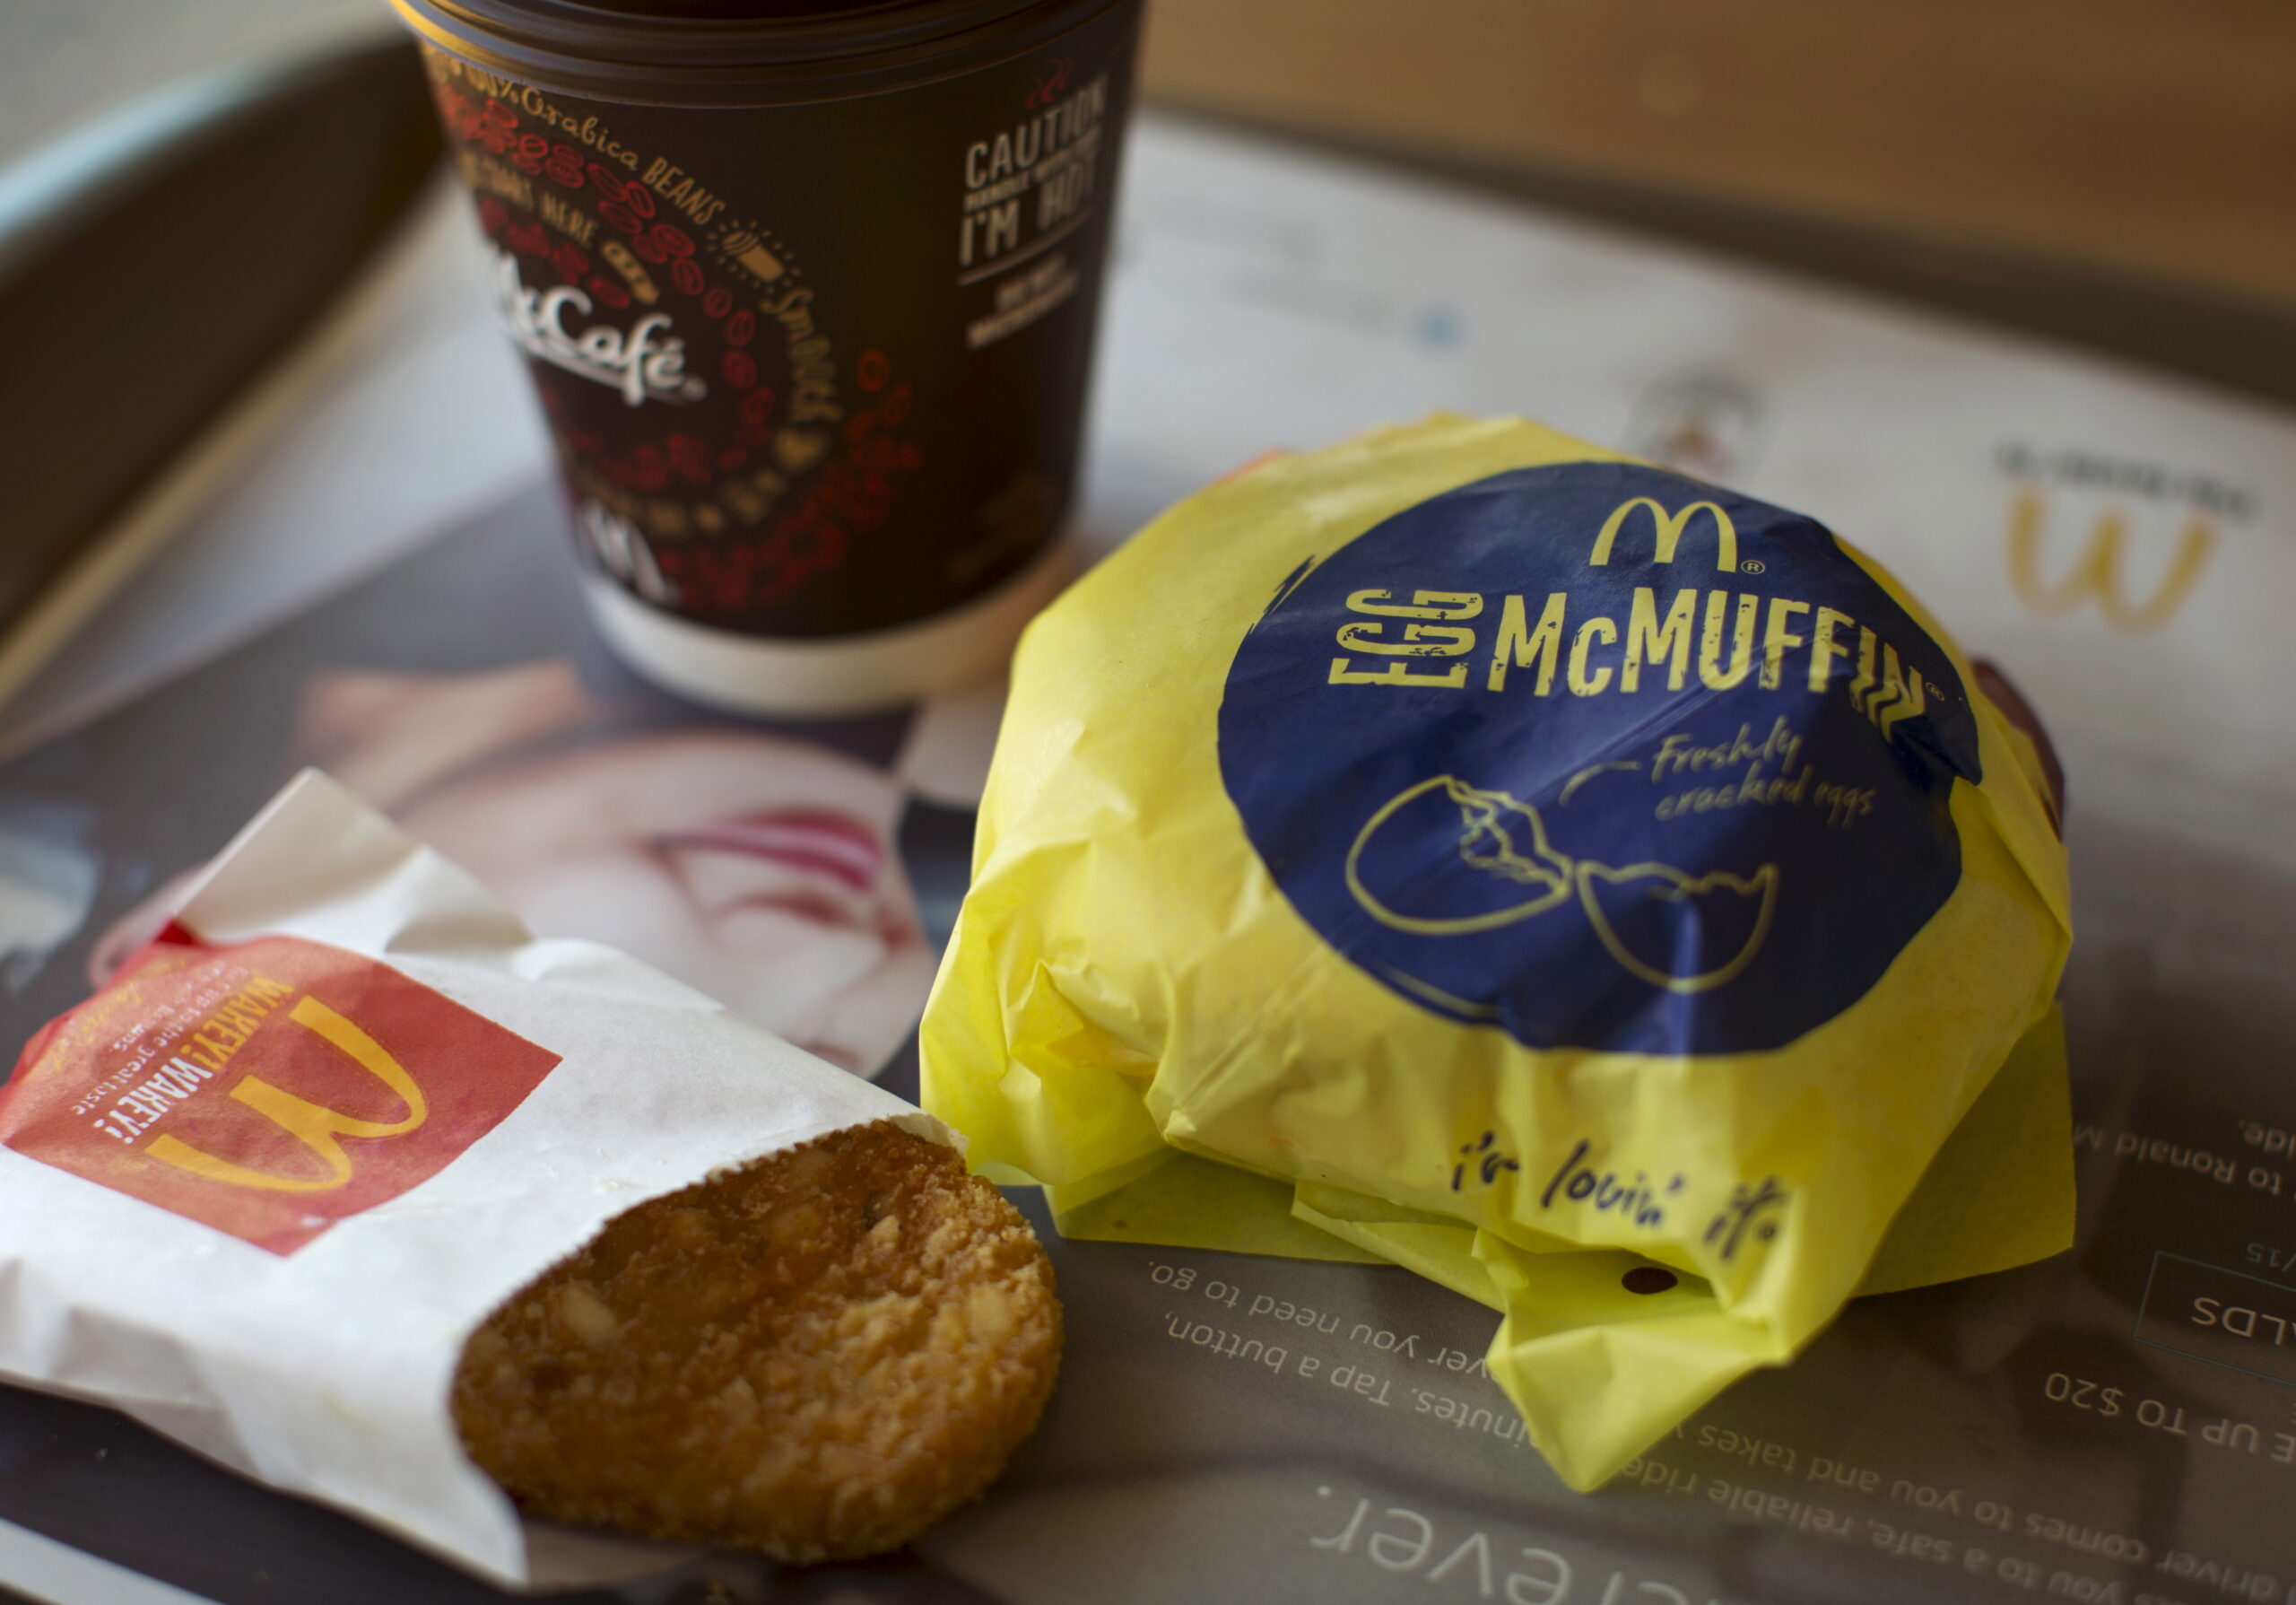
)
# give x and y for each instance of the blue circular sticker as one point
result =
(1602, 756)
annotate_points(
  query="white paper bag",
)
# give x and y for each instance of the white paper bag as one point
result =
(258, 1191)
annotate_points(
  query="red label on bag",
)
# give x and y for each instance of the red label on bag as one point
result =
(266, 1088)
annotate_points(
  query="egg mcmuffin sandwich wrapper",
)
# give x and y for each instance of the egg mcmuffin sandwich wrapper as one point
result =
(1605, 894)
(258, 1191)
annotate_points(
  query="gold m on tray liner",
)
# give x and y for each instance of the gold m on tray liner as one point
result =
(268, 1090)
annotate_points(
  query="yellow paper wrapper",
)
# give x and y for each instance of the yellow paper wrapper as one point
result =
(1595, 890)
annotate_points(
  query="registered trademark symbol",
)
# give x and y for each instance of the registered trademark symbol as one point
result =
(1753, 565)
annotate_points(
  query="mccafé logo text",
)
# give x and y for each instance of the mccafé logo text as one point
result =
(1549, 646)
(647, 363)
(268, 1089)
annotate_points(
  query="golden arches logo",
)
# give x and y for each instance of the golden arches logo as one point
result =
(1505, 837)
(2098, 571)
(316, 1127)
(1669, 528)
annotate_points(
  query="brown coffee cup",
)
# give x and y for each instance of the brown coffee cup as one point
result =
(808, 292)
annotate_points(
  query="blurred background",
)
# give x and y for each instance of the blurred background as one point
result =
(2111, 171)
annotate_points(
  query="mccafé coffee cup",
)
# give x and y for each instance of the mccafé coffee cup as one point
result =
(808, 291)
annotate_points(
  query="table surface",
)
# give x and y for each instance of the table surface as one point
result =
(63, 62)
